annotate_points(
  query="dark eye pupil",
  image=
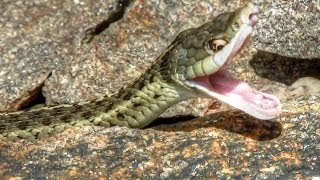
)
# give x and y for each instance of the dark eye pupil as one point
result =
(216, 45)
(219, 47)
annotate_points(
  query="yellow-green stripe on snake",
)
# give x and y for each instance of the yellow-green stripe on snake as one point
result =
(194, 65)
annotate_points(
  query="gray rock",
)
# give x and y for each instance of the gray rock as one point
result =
(89, 56)
(38, 38)
(80, 50)
(228, 144)
(289, 28)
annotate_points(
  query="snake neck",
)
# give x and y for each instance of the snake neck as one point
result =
(146, 99)
(136, 105)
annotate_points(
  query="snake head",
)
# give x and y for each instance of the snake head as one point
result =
(199, 57)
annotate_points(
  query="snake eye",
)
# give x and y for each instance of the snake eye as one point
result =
(217, 44)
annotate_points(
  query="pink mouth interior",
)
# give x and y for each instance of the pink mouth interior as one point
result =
(240, 95)
(223, 86)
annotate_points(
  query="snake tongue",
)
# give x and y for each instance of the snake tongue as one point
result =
(223, 86)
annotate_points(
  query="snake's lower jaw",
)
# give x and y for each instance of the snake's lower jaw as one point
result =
(224, 87)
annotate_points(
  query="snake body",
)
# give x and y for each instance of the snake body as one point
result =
(194, 55)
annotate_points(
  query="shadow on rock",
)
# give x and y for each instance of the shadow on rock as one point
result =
(284, 69)
(232, 121)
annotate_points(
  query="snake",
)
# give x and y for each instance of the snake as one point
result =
(194, 65)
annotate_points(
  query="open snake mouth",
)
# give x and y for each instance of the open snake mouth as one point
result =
(223, 86)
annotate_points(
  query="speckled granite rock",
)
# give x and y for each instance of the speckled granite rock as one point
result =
(38, 37)
(238, 146)
(88, 56)
(289, 28)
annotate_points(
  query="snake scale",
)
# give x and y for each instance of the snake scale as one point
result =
(194, 65)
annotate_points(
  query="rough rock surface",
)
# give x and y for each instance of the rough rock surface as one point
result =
(226, 144)
(80, 50)
(93, 49)
(289, 28)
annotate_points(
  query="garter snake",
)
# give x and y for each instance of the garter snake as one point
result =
(194, 65)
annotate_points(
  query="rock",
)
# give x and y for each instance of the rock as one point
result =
(80, 50)
(89, 55)
(289, 28)
(37, 38)
(305, 86)
(221, 145)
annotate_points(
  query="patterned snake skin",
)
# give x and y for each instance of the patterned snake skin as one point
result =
(178, 74)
